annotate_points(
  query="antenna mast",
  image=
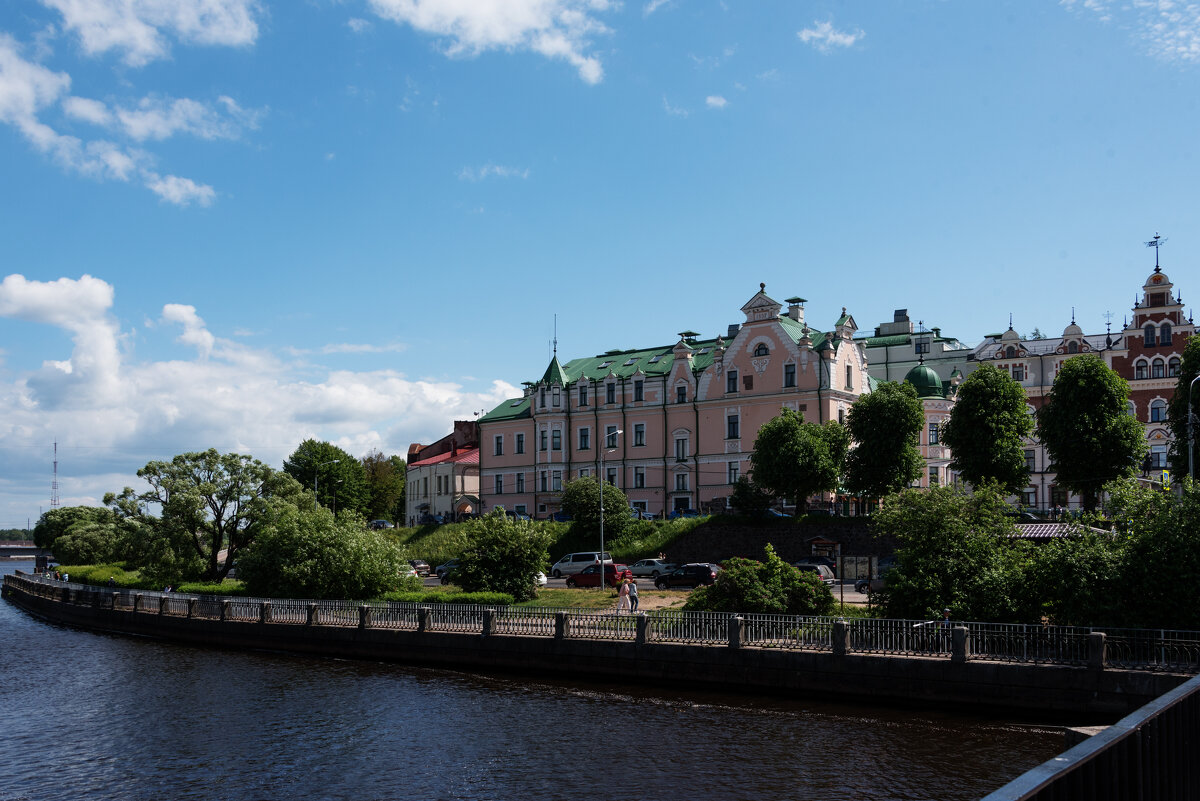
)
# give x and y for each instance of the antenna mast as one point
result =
(54, 483)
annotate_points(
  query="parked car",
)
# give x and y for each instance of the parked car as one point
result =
(378, 524)
(820, 560)
(776, 513)
(590, 576)
(652, 567)
(539, 579)
(678, 513)
(693, 575)
(431, 520)
(518, 515)
(445, 569)
(573, 563)
(561, 517)
(421, 566)
(641, 514)
(822, 571)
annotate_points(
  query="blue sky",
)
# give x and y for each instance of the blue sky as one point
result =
(241, 223)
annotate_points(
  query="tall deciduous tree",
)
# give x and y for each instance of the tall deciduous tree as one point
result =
(339, 479)
(581, 500)
(885, 425)
(985, 428)
(385, 485)
(502, 555)
(1086, 427)
(795, 459)
(1189, 368)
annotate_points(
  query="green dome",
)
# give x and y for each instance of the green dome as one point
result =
(925, 381)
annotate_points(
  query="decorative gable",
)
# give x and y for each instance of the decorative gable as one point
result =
(761, 307)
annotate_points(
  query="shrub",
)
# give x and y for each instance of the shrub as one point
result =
(436, 597)
(502, 556)
(770, 587)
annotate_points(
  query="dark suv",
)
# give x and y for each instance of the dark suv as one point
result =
(692, 575)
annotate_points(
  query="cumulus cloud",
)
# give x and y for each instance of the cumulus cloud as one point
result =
(358, 25)
(652, 6)
(180, 191)
(139, 29)
(112, 412)
(715, 101)
(556, 29)
(162, 117)
(1170, 30)
(825, 37)
(491, 171)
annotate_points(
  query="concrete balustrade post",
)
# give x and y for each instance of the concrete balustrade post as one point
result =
(191, 606)
(737, 626)
(364, 616)
(137, 602)
(162, 604)
(423, 619)
(312, 618)
(264, 612)
(560, 625)
(489, 622)
(226, 610)
(116, 597)
(841, 638)
(958, 644)
(1097, 650)
(643, 628)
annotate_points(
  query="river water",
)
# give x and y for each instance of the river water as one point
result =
(92, 716)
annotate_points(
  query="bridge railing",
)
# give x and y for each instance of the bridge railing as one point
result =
(1131, 649)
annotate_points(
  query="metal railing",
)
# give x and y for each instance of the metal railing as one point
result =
(1129, 649)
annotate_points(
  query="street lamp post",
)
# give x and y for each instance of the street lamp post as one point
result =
(616, 433)
(316, 474)
(1191, 436)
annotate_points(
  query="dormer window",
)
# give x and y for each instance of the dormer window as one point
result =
(632, 359)
(1010, 352)
(762, 350)
(1072, 347)
(1149, 336)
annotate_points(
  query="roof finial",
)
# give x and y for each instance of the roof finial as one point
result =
(1010, 321)
(1156, 243)
(555, 334)
(762, 287)
(1072, 315)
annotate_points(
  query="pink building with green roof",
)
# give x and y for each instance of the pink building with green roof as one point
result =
(674, 425)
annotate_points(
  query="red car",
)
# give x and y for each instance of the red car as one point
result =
(590, 576)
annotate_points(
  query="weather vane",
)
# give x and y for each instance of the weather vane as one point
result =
(1156, 243)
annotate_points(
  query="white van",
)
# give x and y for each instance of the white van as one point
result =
(573, 563)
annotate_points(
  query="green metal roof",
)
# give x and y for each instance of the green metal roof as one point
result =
(512, 409)
(925, 381)
(554, 373)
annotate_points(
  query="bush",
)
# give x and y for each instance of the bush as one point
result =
(770, 587)
(100, 574)
(442, 597)
(502, 556)
(226, 587)
(581, 500)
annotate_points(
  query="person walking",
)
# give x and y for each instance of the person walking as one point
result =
(623, 598)
(633, 596)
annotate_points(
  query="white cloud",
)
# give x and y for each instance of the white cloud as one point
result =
(715, 101)
(675, 111)
(160, 118)
(139, 28)
(652, 6)
(557, 29)
(825, 37)
(1170, 29)
(112, 413)
(491, 171)
(180, 191)
(82, 108)
(358, 25)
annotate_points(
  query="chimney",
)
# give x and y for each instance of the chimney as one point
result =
(733, 329)
(796, 309)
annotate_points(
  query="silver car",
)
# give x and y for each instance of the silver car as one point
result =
(652, 567)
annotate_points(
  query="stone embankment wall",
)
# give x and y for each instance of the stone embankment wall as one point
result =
(1077, 694)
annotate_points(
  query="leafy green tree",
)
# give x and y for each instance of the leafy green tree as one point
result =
(1079, 579)
(338, 478)
(749, 498)
(90, 543)
(399, 508)
(581, 500)
(385, 485)
(212, 506)
(769, 587)
(503, 555)
(954, 550)
(985, 428)
(884, 425)
(56, 522)
(795, 459)
(1090, 436)
(306, 552)
(1177, 411)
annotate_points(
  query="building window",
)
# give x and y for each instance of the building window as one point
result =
(748, 382)
(732, 427)
(1158, 457)
(544, 438)
(933, 476)
(789, 375)
(681, 482)
(520, 482)
(542, 397)
(1173, 367)
(542, 480)
(1164, 334)
(520, 447)
(610, 393)
(731, 381)
(520, 507)
(1072, 347)
(1158, 368)
(499, 445)
(1158, 411)
(1130, 408)
(425, 487)
(1058, 496)
(639, 505)
(556, 440)
(732, 471)
(555, 399)
(1029, 497)
(681, 394)
(639, 390)
(556, 481)
(639, 478)
(1029, 460)
(849, 377)
(1149, 336)
(612, 475)
(1018, 371)
(610, 437)
(499, 480)
(583, 395)
(585, 439)
(639, 434)
(1141, 370)
(933, 433)
(584, 472)
(681, 449)
(761, 350)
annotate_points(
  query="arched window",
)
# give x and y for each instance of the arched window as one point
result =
(1010, 352)
(1131, 408)
(1173, 367)
(1149, 335)
(1158, 411)
(761, 350)
(1141, 370)
(1072, 347)
(1158, 368)
(1164, 334)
